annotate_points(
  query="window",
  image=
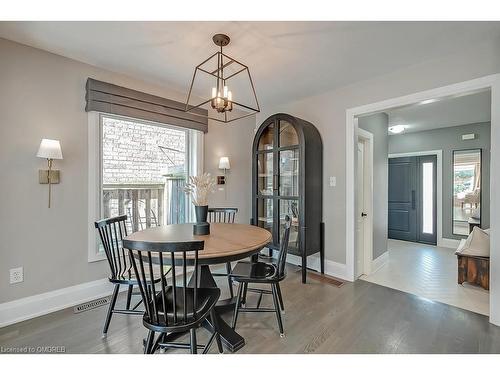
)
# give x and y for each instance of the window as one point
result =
(142, 170)
(428, 198)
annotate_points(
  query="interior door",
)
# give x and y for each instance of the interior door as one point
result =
(402, 214)
(360, 224)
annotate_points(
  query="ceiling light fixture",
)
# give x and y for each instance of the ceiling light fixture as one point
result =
(396, 129)
(230, 87)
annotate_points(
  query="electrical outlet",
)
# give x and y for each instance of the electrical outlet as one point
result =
(16, 275)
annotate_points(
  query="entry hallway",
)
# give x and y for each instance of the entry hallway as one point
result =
(429, 272)
(358, 317)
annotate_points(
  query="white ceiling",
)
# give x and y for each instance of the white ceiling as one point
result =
(288, 60)
(467, 109)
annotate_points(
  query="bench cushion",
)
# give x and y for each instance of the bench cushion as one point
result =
(477, 244)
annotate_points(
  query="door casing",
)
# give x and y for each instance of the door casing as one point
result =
(367, 139)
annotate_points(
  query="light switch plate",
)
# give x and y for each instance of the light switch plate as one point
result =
(333, 181)
(16, 275)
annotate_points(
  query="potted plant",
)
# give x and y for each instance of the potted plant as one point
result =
(198, 188)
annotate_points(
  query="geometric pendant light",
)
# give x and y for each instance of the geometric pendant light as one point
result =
(223, 86)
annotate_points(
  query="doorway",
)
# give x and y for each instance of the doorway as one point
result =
(412, 214)
(448, 241)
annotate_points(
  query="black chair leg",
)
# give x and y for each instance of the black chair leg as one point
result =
(148, 346)
(215, 323)
(237, 307)
(110, 309)
(277, 309)
(280, 297)
(244, 298)
(259, 300)
(194, 344)
(129, 296)
(229, 281)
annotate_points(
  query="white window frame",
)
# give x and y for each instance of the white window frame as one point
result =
(195, 167)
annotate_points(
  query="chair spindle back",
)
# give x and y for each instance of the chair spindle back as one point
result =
(221, 215)
(284, 246)
(166, 304)
(112, 231)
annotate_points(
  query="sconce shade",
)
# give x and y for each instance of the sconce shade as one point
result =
(49, 149)
(224, 163)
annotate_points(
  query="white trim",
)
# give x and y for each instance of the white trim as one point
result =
(367, 138)
(94, 183)
(45, 303)
(488, 82)
(196, 154)
(439, 187)
(332, 268)
(449, 243)
(382, 259)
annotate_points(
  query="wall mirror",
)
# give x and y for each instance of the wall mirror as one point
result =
(466, 190)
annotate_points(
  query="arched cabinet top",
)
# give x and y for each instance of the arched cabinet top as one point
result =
(292, 131)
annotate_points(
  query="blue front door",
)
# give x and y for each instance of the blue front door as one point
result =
(402, 198)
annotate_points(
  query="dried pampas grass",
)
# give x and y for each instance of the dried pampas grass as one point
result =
(199, 187)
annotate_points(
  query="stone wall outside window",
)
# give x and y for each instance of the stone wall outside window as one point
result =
(130, 152)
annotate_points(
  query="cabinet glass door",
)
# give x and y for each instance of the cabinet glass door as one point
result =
(289, 173)
(265, 169)
(287, 135)
(266, 141)
(265, 213)
(290, 207)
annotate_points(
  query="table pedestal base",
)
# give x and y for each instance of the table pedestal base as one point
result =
(230, 338)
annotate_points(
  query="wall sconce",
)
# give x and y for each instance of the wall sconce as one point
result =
(49, 149)
(223, 164)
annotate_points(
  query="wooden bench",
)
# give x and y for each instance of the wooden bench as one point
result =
(474, 270)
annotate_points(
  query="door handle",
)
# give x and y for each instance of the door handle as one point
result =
(275, 182)
(413, 199)
(363, 214)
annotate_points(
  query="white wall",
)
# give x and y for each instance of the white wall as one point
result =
(328, 112)
(42, 95)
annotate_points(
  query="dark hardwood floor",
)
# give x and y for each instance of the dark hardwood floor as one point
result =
(359, 317)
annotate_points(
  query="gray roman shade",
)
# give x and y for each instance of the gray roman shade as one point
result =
(108, 98)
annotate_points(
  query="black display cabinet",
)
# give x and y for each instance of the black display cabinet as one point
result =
(287, 177)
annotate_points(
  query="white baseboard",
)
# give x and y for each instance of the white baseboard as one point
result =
(379, 262)
(40, 304)
(449, 242)
(332, 268)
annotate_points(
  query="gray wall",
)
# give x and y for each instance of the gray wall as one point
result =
(235, 141)
(327, 111)
(449, 139)
(42, 95)
(377, 125)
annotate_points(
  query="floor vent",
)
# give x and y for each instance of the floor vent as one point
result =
(91, 305)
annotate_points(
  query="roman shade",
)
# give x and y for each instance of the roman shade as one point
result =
(108, 98)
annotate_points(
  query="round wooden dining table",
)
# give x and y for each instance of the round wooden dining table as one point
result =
(225, 243)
